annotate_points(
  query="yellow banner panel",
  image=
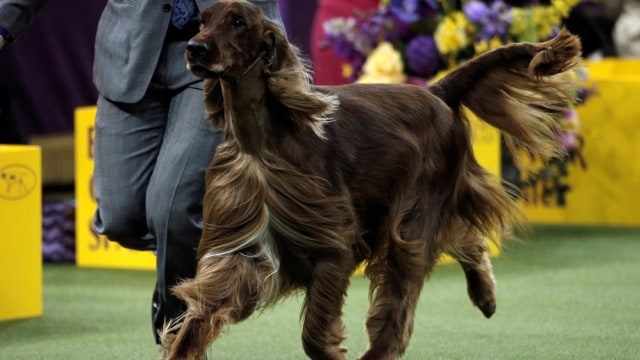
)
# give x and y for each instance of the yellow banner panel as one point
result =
(21, 224)
(605, 192)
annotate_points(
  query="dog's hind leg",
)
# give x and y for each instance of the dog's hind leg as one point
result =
(323, 330)
(481, 284)
(396, 281)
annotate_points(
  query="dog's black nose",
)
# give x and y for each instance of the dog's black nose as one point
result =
(197, 49)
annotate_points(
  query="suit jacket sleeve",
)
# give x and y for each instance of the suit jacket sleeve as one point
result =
(17, 15)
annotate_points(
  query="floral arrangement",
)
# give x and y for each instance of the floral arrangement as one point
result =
(419, 38)
(414, 41)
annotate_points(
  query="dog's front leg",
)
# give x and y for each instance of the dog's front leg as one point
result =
(323, 330)
(224, 291)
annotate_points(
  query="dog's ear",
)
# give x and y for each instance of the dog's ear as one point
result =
(276, 46)
(213, 103)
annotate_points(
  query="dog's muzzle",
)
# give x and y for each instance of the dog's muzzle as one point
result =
(197, 49)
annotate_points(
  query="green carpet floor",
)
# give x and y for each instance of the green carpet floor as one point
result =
(564, 293)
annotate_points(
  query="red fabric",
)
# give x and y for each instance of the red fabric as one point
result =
(327, 66)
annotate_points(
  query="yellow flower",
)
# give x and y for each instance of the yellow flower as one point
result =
(441, 74)
(481, 46)
(546, 17)
(520, 21)
(484, 45)
(495, 43)
(564, 6)
(347, 70)
(451, 34)
(452, 62)
(383, 65)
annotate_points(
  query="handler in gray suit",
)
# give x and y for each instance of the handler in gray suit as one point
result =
(152, 142)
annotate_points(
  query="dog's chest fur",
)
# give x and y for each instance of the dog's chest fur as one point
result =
(263, 207)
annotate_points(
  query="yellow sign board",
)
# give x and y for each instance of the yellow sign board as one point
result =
(92, 249)
(21, 224)
(605, 193)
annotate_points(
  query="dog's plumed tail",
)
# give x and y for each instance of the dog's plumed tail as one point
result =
(515, 88)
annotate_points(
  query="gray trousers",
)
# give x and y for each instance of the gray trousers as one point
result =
(150, 160)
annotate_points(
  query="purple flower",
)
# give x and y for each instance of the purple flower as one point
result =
(406, 10)
(584, 93)
(357, 61)
(417, 81)
(341, 45)
(423, 57)
(568, 139)
(554, 32)
(410, 11)
(378, 25)
(475, 10)
(496, 21)
(401, 29)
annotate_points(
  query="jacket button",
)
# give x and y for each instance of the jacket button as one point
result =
(166, 7)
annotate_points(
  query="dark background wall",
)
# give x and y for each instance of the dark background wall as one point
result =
(298, 18)
(47, 72)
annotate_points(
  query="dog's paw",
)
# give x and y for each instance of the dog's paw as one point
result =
(487, 307)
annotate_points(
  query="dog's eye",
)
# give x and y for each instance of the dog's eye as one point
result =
(238, 22)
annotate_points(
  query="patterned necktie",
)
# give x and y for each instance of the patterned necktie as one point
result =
(183, 10)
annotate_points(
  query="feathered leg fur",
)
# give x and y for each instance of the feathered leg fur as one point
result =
(224, 291)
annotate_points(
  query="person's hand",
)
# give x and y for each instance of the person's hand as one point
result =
(2, 42)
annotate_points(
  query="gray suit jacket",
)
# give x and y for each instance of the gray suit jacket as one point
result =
(128, 43)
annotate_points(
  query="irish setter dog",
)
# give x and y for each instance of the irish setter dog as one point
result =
(312, 181)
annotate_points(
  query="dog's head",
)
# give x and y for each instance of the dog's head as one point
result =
(234, 36)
